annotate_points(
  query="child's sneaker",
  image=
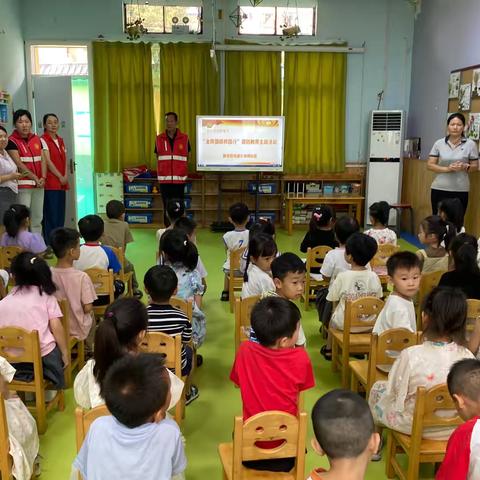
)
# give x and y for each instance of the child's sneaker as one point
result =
(191, 395)
(377, 456)
(225, 296)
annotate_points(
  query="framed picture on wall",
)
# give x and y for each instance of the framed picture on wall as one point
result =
(464, 96)
(454, 85)
(476, 83)
(473, 126)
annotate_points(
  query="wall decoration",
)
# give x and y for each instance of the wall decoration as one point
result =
(454, 85)
(464, 96)
(473, 126)
(476, 83)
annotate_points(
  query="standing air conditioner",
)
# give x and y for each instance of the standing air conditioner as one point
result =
(384, 167)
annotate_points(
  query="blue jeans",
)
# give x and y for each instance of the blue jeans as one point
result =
(53, 212)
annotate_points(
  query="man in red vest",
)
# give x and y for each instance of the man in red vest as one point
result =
(172, 148)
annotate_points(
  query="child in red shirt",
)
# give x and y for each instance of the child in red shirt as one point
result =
(272, 373)
(345, 432)
(462, 458)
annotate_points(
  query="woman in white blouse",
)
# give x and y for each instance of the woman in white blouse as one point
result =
(8, 176)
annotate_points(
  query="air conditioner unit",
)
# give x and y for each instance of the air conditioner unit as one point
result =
(385, 163)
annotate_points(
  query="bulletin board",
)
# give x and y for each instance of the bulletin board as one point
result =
(464, 97)
(108, 186)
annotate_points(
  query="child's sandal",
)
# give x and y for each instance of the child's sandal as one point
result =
(326, 353)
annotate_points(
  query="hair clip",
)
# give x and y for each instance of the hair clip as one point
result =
(109, 315)
(185, 243)
(317, 216)
(32, 260)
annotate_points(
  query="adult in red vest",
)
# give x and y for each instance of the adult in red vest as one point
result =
(56, 183)
(172, 148)
(25, 148)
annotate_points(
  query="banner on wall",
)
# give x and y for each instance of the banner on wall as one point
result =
(241, 144)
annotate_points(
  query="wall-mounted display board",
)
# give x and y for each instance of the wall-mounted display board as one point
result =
(464, 97)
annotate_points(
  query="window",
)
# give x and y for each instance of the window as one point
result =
(59, 60)
(165, 19)
(270, 20)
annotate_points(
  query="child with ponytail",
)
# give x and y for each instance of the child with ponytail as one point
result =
(320, 230)
(379, 213)
(432, 232)
(466, 274)
(31, 305)
(17, 222)
(179, 253)
(120, 333)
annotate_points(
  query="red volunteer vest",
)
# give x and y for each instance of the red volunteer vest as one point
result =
(58, 156)
(172, 165)
(30, 152)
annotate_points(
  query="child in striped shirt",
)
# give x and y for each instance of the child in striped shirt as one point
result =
(161, 284)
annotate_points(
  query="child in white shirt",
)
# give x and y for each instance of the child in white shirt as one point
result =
(379, 213)
(257, 280)
(235, 239)
(404, 271)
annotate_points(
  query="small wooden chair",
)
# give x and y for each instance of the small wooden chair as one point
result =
(243, 310)
(5, 459)
(418, 449)
(315, 257)
(360, 317)
(273, 425)
(17, 346)
(83, 420)
(473, 315)
(428, 282)
(185, 306)
(125, 277)
(7, 254)
(171, 348)
(75, 346)
(367, 372)
(379, 261)
(103, 283)
(235, 284)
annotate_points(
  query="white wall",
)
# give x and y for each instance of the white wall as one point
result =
(447, 37)
(12, 58)
(385, 26)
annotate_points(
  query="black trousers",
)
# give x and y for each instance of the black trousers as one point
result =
(436, 196)
(168, 191)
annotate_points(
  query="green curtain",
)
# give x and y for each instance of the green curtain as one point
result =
(252, 83)
(189, 86)
(124, 125)
(315, 112)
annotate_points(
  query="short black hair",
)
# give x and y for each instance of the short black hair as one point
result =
(173, 114)
(160, 282)
(361, 247)
(136, 387)
(458, 115)
(446, 310)
(405, 260)
(17, 114)
(186, 225)
(273, 318)
(62, 240)
(3, 129)
(239, 213)
(175, 209)
(343, 424)
(115, 208)
(344, 227)
(380, 211)
(45, 117)
(464, 379)
(286, 263)
(91, 227)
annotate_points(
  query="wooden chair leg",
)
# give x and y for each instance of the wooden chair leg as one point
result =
(345, 367)
(413, 465)
(390, 453)
(68, 374)
(41, 411)
(61, 400)
(354, 383)
(81, 354)
(334, 355)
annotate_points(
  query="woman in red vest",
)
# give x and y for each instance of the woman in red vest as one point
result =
(25, 149)
(172, 148)
(56, 183)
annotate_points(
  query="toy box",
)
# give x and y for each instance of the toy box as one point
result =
(138, 202)
(138, 187)
(139, 218)
(264, 188)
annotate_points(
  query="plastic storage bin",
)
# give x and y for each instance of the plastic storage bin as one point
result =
(262, 187)
(139, 218)
(135, 187)
(138, 202)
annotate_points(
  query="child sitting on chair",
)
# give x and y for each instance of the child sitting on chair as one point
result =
(235, 239)
(272, 373)
(353, 284)
(345, 433)
(73, 285)
(161, 284)
(379, 213)
(137, 393)
(462, 458)
(116, 233)
(320, 230)
(399, 311)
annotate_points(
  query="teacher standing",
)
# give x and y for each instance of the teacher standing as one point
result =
(452, 157)
(172, 148)
(8, 176)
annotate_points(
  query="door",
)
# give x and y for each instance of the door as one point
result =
(54, 95)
